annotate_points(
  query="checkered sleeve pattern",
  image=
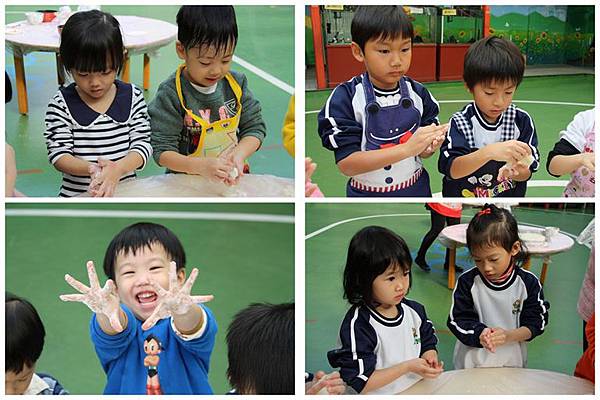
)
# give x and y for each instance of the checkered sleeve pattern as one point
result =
(465, 127)
(508, 124)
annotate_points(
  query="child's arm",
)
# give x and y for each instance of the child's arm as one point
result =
(565, 164)
(177, 302)
(534, 314)
(59, 139)
(104, 302)
(10, 170)
(252, 129)
(210, 167)
(463, 320)
(569, 152)
(497, 337)
(244, 149)
(428, 338)
(510, 151)
(529, 137)
(72, 165)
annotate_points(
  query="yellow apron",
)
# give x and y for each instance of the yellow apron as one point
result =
(216, 137)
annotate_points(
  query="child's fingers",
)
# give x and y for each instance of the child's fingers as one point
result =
(202, 299)
(94, 283)
(72, 297)
(75, 284)
(187, 286)
(316, 387)
(172, 275)
(154, 317)
(159, 289)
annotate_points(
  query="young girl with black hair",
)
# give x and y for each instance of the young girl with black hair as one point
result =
(498, 305)
(97, 128)
(387, 342)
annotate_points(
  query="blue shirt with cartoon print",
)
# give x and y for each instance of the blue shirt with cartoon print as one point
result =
(183, 361)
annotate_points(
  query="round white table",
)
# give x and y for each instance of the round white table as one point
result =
(456, 236)
(140, 36)
(506, 381)
(182, 185)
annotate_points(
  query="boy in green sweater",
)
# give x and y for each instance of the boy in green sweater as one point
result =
(205, 121)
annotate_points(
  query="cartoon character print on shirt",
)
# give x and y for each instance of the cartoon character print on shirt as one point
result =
(152, 347)
(483, 186)
(582, 181)
(193, 128)
(387, 127)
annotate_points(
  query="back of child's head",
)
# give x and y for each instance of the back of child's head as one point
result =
(143, 235)
(199, 26)
(494, 226)
(493, 59)
(260, 349)
(91, 41)
(380, 22)
(371, 252)
(24, 334)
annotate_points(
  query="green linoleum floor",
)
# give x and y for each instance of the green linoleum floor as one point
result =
(549, 119)
(558, 349)
(266, 40)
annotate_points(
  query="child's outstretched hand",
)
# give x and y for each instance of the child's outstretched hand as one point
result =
(176, 300)
(486, 340)
(102, 301)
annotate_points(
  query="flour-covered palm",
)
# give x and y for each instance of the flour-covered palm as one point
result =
(177, 300)
(102, 301)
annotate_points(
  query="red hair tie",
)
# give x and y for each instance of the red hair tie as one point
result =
(484, 212)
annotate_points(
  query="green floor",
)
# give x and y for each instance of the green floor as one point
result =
(239, 262)
(266, 40)
(549, 119)
(558, 349)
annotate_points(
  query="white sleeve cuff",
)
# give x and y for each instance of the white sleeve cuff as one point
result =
(193, 335)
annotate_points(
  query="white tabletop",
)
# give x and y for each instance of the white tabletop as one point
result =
(182, 185)
(140, 35)
(456, 235)
(507, 381)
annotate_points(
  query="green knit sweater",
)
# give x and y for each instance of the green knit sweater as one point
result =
(166, 113)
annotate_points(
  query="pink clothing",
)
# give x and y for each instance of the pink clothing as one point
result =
(316, 193)
(585, 304)
(581, 131)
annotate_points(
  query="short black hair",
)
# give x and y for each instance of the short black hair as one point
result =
(207, 26)
(91, 41)
(8, 89)
(380, 22)
(493, 59)
(138, 236)
(260, 349)
(494, 226)
(24, 334)
(371, 252)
